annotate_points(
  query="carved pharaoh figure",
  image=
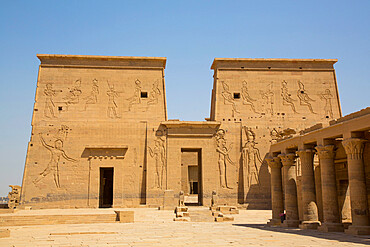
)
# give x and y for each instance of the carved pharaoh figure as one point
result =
(287, 99)
(268, 96)
(303, 97)
(251, 158)
(93, 97)
(159, 154)
(135, 99)
(327, 96)
(56, 152)
(228, 97)
(49, 103)
(154, 94)
(223, 157)
(247, 99)
(73, 96)
(112, 105)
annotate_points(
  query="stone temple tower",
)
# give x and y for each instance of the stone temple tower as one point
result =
(259, 101)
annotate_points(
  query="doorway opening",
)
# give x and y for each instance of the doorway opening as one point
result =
(191, 176)
(106, 187)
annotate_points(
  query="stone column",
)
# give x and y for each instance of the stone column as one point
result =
(332, 221)
(310, 212)
(276, 190)
(290, 190)
(354, 148)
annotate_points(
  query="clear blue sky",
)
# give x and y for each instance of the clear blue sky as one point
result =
(189, 33)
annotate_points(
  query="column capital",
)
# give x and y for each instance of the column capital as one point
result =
(287, 159)
(305, 155)
(274, 162)
(354, 147)
(325, 152)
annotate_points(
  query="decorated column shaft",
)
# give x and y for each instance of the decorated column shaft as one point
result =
(310, 212)
(290, 189)
(354, 148)
(331, 214)
(276, 189)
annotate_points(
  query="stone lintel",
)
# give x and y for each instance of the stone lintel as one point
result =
(101, 61)
(273, 63)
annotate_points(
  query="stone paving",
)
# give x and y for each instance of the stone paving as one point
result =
(157, 228)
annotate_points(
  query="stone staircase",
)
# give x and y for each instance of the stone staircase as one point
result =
(200, 214)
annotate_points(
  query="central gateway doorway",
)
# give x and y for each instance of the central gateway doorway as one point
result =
(191, 176)
(106, 188)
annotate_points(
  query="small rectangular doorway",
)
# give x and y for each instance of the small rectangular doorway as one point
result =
(106, 188)
(191, 176)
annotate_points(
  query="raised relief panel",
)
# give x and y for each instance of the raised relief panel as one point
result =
(247, 99)
(328, 108)
(158, 153)
(223, 149)
(251, 158)
(112, 111)
(303, 97)
(228, 98)
(287, 99)
(49, 93)
(57, 152)
(92, 99)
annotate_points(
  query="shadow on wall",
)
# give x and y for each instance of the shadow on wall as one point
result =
(259, 194)
(337, 236)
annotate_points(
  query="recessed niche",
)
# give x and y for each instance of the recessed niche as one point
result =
(144, 94)
(236, 95)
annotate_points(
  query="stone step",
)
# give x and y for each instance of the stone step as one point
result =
(200, 214)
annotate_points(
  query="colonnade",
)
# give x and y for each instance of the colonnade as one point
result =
(284, 187)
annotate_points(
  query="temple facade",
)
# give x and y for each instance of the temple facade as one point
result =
(101, 137)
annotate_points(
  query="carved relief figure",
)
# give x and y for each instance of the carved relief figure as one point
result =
(135, 99)
(49, 103)
(93, 97)
(112, 105)
(251, 157)
(154, 94)
(159, 154)
(73, 96)
(327, 96)
(228, 97)
(303, 97)
(268, 96)
(56, 152)
(223, 157)
(247, 99)
(287, 99)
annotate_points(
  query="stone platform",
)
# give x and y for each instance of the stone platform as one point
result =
(65, 216)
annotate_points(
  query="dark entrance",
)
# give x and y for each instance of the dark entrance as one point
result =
(106, 188)
(191, 176)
